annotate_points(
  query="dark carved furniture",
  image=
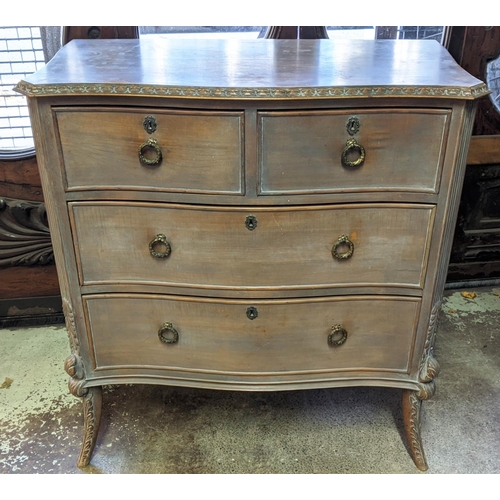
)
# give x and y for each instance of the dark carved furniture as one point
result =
(255, 215)
(475, 256)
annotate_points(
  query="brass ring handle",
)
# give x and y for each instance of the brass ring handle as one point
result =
(352, 145)
(333, 339)
(150, 143)
(343, 241)
(168, 334)
(160, 238)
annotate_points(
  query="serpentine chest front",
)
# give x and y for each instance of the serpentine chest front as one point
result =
(255, 215)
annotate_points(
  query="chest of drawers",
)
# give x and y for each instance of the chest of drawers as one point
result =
(256, 215)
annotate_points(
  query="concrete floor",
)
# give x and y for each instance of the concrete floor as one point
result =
(149, 429)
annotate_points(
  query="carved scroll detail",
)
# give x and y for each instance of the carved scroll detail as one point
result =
(429, 367)
(24, 234)
(73, 364)
(426, 391)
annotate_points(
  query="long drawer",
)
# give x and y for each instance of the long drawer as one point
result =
(201, 151)
(260, 337)
(301, 151)
(252, 248)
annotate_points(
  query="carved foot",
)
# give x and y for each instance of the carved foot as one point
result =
(412, 402)
(92, 404)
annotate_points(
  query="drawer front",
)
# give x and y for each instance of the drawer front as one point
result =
(257, 248)
(301, 152)
(202, 152)
(285, 336)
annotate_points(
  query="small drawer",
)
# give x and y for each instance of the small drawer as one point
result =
(307, 152)
(251, 337)
(197, 151)
(252, 248)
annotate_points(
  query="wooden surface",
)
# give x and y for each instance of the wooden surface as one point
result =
(228, 69)
(401, 223)
(301, 152)
(287, 336)
(20, 180)
(475, 255)
(484, 150)
(202, 150)
(290, 247)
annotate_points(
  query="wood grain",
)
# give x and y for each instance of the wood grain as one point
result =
(254, 69)
(202, 150)
(287, 336)
(300, 152)
(290, 247)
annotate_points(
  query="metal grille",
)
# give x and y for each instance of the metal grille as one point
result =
(394, 32)
(21, 54)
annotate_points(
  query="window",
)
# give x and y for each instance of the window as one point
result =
(21, 53)
(240, 32)
(387, 32)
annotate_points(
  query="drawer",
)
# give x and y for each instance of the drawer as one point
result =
(202, 151)
(300, 152)
(282, 248)
(218, 336)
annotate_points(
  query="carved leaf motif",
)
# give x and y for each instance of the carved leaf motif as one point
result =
(413, 431)
(89, 431)
(70, 326)
(239, 93)
(24, 234)
(429, 367)
(73, 364)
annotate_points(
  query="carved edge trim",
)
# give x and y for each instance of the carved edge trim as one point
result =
(31, 90)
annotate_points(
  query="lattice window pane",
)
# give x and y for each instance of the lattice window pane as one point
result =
(21, 53)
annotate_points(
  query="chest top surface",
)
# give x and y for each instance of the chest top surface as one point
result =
(254, 69)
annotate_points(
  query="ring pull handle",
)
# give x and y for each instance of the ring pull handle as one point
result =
(351, 146)
(159, 239)
(343, 248)
(337, 336)
(150, 144)
(168, 334)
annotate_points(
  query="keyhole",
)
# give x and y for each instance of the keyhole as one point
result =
(251, 222)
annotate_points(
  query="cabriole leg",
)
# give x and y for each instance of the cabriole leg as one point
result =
(92, 405)
(411, 414)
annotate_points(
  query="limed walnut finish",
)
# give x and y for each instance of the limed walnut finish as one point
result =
(252, 215)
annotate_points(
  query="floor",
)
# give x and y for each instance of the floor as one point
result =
(148, 429)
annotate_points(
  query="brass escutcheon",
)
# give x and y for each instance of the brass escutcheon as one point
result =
(251, 222)
(337, 330)
(160, 238)
(352, 145)
(342, 241)
(149, 124)
(168, 334)
(150, 143)
(353, 125)
(252, 313)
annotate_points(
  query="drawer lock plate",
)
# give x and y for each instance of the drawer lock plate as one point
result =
(252, 313)
(251, 222)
